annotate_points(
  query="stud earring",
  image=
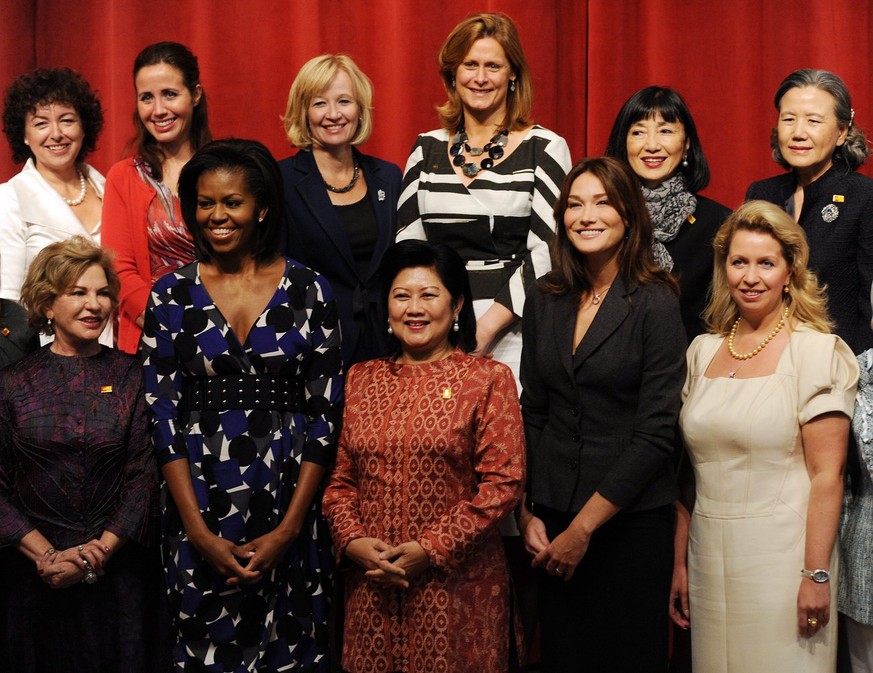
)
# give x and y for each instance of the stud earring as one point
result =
(452, 85)
(785, 289)
(260, 218)
(685, 161)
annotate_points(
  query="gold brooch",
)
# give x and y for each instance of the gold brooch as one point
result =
(105, 389)
(447, 393)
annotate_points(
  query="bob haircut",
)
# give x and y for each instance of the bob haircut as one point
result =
(260, 171)
(56, 268)
(449, 267)
(454, 51)
(645, 104)
(46, 86)
(569, 274)
(806, 300)
(312, 79)
(854, 151)
(179, 57)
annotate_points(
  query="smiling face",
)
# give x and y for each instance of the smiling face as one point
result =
(227, 212)
(757, 272)
(54, 134)
(808, 131)
(334, 113)
(421, 312)
(655, 149)
(80, 312)
(482, 80)
(164, 104)
(593, 226)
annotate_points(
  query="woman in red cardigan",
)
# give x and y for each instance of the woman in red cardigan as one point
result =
(142, 220)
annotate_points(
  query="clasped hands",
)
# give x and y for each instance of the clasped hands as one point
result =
(243, 563)
(384, 564)
(63, 568)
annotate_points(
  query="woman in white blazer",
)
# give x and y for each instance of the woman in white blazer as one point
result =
(52, 120)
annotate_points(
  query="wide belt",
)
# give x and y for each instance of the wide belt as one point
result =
(244, 391)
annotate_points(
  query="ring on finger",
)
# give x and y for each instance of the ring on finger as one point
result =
(812, 621)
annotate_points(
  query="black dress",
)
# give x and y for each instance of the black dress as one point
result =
(75, 460)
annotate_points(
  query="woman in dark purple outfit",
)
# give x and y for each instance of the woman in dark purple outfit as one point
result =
(78, 484)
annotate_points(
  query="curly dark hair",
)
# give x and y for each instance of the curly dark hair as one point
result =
(45, 86)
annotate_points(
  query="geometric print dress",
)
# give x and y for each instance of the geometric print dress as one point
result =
(244, 465)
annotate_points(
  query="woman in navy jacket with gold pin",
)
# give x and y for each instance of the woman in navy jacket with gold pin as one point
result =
(341, 205)
(816, 138)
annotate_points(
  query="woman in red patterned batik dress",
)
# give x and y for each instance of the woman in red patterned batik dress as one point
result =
(431, 458)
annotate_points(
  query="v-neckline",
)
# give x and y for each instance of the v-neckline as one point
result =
(225, 321)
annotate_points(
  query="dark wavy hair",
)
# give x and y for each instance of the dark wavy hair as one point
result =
(645, 104)
(261, 173)
(45, 86)
(453, 274)
(180, 57)
(569, 274)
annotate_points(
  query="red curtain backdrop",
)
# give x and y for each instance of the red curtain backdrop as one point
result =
(725, 56)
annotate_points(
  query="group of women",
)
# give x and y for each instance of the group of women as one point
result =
(393, 457)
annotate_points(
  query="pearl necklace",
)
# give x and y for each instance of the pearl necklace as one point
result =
(494, 149)
(349, 187)
(82, 190)
(760, 346)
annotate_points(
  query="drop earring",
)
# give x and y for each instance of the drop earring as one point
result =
(390, 331)
(456, 327)
(685, 161)
(512, 86)
(452, 85)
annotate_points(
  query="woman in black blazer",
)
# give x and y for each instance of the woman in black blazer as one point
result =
(816, 139)
(602, 369)
(655, 134)
(341, 205)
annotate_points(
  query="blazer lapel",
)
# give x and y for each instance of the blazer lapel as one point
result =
(563, 334)
(41, 205)
(310, 186)
(382, 197)
(612, 313)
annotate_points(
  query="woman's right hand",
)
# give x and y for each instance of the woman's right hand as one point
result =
(58, 573)
(679, 611)
(533, 532)
(366, 552)
(225, 558)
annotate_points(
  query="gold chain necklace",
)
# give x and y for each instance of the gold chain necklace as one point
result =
(760, 346)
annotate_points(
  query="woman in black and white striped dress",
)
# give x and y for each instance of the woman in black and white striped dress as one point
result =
(485, 182)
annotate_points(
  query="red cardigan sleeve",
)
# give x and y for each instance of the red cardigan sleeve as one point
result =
(124, 230)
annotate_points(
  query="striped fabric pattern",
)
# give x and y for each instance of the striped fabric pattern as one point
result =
(503, 219)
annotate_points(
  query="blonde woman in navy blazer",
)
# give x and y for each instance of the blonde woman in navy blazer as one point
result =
(602, 369)
(341, 205)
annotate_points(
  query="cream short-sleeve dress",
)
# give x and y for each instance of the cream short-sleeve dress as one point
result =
(748, 529)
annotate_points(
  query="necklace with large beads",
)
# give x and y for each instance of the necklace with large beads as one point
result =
(493, 148)
(760, 346)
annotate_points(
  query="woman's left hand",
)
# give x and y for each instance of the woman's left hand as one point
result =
(813, 605)
(408, 557)
(563, 554)
(59, 573)
(265, 553)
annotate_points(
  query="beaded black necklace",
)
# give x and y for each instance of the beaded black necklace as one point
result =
(494, 149)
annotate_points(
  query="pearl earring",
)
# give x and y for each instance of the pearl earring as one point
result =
(456, 327)
(390, 331)
(685, 161)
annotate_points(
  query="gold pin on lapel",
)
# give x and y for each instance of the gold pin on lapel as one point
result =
(839, 198)
(105, 389)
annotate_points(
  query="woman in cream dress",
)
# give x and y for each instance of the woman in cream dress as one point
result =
(765, 421)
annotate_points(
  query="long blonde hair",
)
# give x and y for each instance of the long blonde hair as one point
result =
(806, 299)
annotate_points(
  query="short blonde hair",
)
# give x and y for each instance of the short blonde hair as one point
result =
(312, 79)
(806, 299)
(55, 269)
(458, 44)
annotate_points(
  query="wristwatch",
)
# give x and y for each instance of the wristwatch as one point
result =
(818, 575)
